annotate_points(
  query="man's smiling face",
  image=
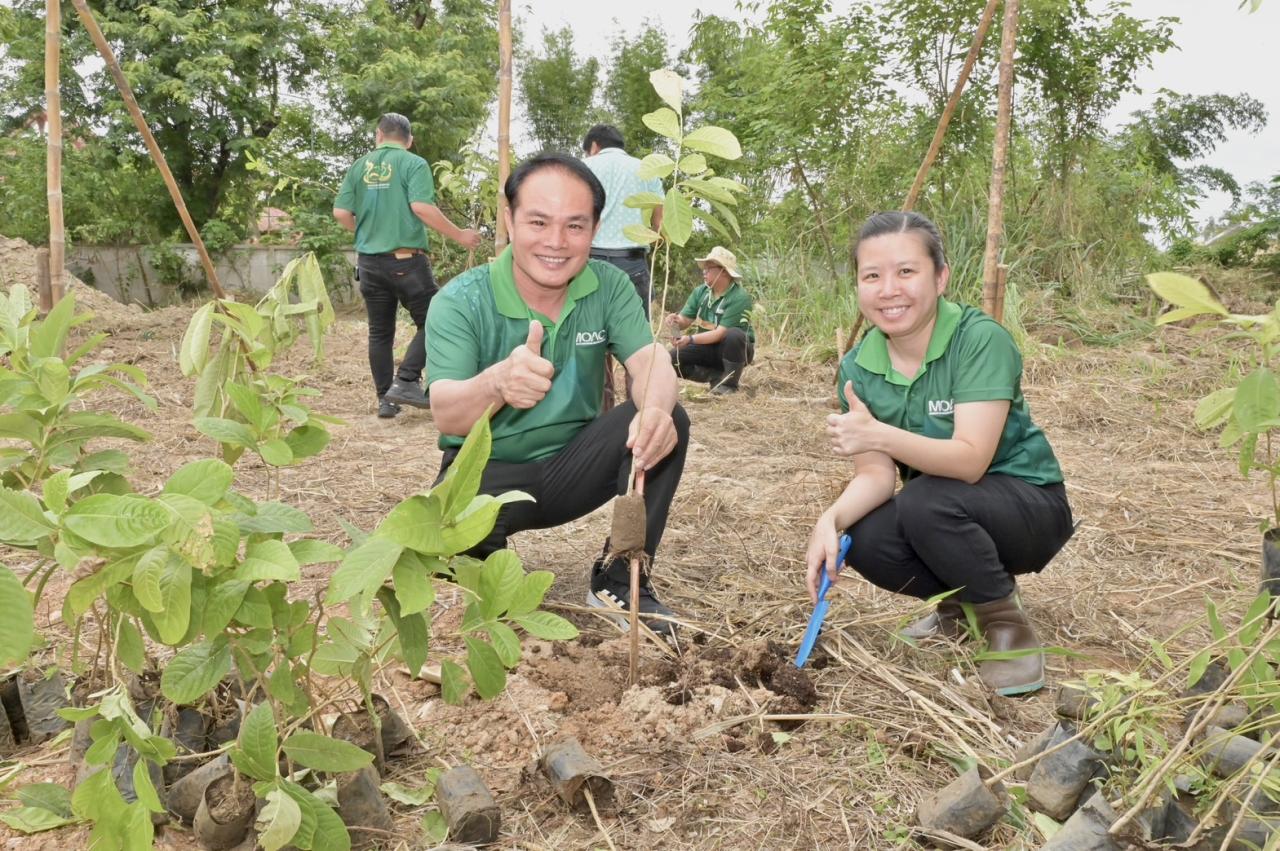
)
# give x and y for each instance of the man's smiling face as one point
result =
(551, 229)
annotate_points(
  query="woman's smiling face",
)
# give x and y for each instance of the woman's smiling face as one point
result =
(898, 285)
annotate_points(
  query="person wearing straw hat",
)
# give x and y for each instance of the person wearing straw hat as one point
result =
(523, 341)
(712, 337)
(934, 393)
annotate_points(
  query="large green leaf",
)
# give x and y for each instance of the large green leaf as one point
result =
(1193, 297)
(677, 217)
(415, 635)
(84, 591)
(487, 671)
(414, 589)
(226, 431)
(146, 578)
(528, 596)
(195, 671)
(258, 742)
(1215, 409)
(547, 626)
(500, 577)
(505, 642)
(643, 200)
(655, 166)
(314, 551)
(48, 337)
(453, 682)
(34, 819)
(664, 122)
(462, 481)
(116, 521)
(193, 354)
(174, 615)
(276, 452)
(22, 520)
(21, 426)
(716, 141)
(416, 523)
(268, 560)
(206, 480)
(279, 820)
(670, 87)
(307, 440)
(326, 831)
(17, 625)
(1257, 400)
(325, 753)
(364, 569)
(272, 518)
(641, 234)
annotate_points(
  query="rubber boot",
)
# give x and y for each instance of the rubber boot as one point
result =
(946, 621)
(728, 381)
(1006, 629)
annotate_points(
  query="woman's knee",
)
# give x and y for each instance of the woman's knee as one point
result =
(928, 501)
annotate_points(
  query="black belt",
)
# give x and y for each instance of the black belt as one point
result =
(626, 253)
(412, 252)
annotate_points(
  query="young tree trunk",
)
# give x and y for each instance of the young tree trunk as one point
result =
(504, 118)
(822, 222)
(53, 127)
(936, 145)
(157, 156)
(999, 159)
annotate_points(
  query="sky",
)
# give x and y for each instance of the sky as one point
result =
(1221, 49)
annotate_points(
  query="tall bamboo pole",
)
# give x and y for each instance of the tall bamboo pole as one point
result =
(504, 117)
(53, 128)
(935, 146)
(999, 159)
(126, 92)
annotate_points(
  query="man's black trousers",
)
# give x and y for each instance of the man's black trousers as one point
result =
(939, 534)
(591, 470)
(386, 283)
(735, 348)
(636, 264)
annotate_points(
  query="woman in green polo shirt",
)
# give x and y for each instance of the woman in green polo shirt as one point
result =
(933, 392)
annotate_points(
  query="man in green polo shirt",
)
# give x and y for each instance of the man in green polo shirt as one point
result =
(718, 342)
(526, 336)
(386, 198)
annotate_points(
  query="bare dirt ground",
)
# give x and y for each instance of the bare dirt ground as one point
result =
(1164, 520)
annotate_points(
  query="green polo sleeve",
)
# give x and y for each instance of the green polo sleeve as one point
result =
(419, 187)
(625, 324)
(690, 309)
(737, 309)
(346, 199)
(988, 365)
(453, 339)
(848, 372)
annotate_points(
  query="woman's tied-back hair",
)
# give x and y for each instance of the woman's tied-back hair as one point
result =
(880, 224)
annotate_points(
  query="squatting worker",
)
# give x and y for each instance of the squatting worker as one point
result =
(386, 198)
(618, 173)
(935, 389)
(712, 337)
(527, 336)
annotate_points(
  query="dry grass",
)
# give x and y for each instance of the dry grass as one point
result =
(1165, 519)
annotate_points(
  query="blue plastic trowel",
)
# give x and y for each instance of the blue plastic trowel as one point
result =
(820, 610)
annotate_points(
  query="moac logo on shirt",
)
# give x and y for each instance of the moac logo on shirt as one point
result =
(377, 176)
(591, 338)
(941, 408)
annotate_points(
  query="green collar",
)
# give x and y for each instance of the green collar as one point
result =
(508, 300)
(873, 354)
(392, 145)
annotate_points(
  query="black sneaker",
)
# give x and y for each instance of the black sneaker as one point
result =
(407, 393)
(614, 586)
(387, 409)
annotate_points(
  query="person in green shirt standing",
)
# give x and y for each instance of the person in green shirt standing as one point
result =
(717, 342)
(525, 338)
(933, 393)
(386, 198)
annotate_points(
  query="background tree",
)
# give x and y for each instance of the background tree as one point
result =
(628, 95)
(558, 90)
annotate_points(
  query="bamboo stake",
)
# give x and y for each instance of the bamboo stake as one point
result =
(157, 156)
(936, 145)
(53, 129)
(999, 159)
(44, 290)
(504, 119)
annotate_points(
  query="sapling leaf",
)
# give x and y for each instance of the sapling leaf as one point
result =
(487, 671)
(434, 826)
(22, 520)
(413, 631)
(453, 682)
(17, 623)
(1199, 664)
(276, 452)
(528, 595)
(307, 440)
(641, 234)
(462, 481)
(1184, 292)
(677, 217)
(414, 589)
(193, 353)
(643, 200)
(273, 518)
(1213, 410)
(195, 670)
(313, 551)
(116, 521)
(144, 788)
(1257, 400)
(505, 643)
(670, 87)
(547, 626)
(716, 141)
(364, 569)
(657, 166)
(52, 797)
(324, 753)
(279, 820)
(130, 649)
(664, 122)
(416, 523)
(500, 578)
(34, 820)
(226, 431)
(174, 615)
(258, 743)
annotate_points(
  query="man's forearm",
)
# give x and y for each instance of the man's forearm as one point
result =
(432, 217)
(346, 218)
(654, 381)
(457, 405)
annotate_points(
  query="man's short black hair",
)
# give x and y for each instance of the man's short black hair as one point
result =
(564, 162)
(604, 135)
(395, 126)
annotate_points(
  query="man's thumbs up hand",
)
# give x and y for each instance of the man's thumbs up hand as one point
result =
(526, 375)
(856, 431)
